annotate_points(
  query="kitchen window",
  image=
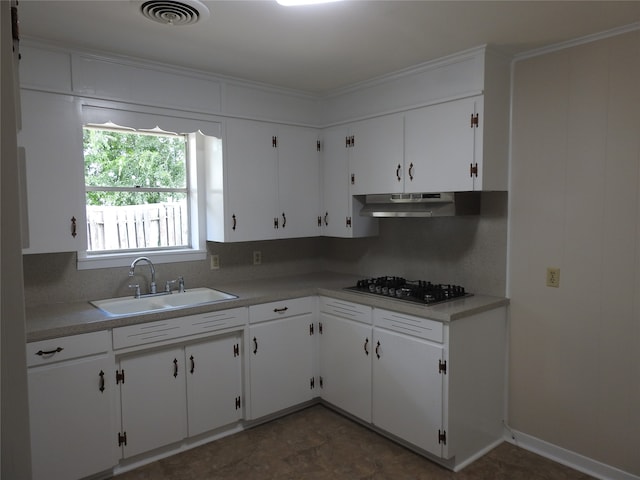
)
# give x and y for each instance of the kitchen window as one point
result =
(142, 180)
(136, 190)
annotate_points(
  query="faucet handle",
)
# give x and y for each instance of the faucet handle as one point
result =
(167, 285)
(137, 287)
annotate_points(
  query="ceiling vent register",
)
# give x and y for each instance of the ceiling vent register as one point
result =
(168, 12)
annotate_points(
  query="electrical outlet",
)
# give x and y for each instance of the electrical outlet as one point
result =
(553, 277)
(257, 257)
(215, 262)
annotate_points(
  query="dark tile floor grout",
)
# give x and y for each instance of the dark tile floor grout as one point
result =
(320, 444)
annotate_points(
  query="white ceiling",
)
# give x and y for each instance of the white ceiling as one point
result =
(323, 47)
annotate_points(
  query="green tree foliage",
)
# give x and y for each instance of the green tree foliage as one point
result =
(128, 160)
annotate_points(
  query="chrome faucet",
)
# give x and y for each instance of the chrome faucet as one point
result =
(152, 286)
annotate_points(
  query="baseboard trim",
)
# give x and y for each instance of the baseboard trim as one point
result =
(567, 457)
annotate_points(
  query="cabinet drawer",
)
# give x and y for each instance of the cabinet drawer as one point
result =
(282, 309)
(210, 322)
(66, 348)
(344, 309)
(408, 324)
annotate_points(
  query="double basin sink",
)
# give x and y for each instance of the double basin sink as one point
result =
(160, 302)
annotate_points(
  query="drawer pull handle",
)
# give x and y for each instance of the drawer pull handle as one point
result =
(280, 310)
(49, 352)
(378, 350)
(175, 368)
(193, 364)
(255, 345)
(101, 375)
(366, 346)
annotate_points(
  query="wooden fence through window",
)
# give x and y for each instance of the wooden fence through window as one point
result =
(137, 226)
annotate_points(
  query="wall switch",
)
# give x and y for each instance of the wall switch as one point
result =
(215, 262)
(553, 277)
(257, 257)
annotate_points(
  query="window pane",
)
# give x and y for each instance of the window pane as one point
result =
(123, 159)
(138, 225)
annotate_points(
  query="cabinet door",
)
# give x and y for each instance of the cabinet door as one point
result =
(345, 365)
(214, 383)
(408, 388)
(440, 147)
(153, 400)
(298, 182)
(335, 183)
(281, 362)
(52, 137)
(252, 180)
(376, 157)
(71, 418)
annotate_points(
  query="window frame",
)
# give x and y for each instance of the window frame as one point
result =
(196, 130)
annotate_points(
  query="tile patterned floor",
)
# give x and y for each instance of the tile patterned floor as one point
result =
(319, 444)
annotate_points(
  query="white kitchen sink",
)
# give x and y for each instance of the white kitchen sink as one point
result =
(145, 304)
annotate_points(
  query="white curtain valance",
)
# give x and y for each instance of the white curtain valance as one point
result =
(145, 121)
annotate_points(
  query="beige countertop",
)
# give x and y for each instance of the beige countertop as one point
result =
(62, 319)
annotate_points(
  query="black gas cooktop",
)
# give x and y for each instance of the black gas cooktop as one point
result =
(417, 291)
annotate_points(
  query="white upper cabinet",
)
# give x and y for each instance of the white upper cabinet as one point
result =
(251, 179)
(298, 182)
(52, 139)
(269, 183)
(376, 155)
(340, 210)
(443, 147)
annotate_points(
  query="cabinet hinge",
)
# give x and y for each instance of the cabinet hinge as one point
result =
(312, 383)
(318, 146)
(122, 439)
(275, 222)
(352, 141)
(473, 170)
(348, 222)
(320, 328)
(274, 142)
(238, 401)
(311, 329)
(475, 120)
(442, 437)
(321, 382)
(236, 350)
(442, 366)
(353, 179)
(119, 376)
(319, 220)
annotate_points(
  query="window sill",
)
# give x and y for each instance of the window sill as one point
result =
(89, 262)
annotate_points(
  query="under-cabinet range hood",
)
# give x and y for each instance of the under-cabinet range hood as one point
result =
(446, 204)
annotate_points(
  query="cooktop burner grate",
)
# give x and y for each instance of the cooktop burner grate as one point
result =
(417, 291)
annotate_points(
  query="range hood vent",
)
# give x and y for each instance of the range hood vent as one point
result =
(446, 204)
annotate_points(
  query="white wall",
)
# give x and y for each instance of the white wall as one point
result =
(13, 399)
(575, 204)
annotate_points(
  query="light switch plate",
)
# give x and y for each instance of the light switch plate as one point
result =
(553, 277)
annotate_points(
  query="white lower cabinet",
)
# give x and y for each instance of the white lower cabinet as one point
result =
(71, 408)
(153, 401)
(281, 349)
(407, 389)
(214, 383)
(172, 391)
(437, 386)
(346, 346)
